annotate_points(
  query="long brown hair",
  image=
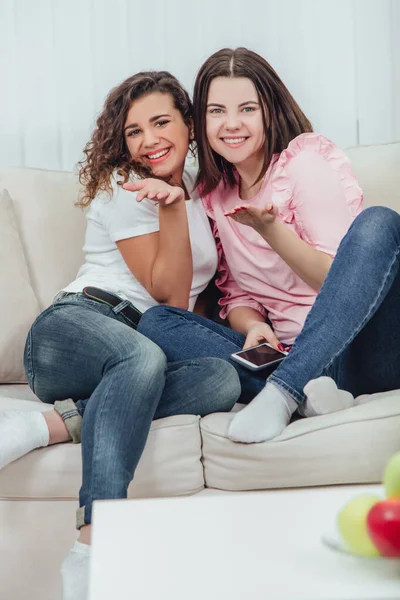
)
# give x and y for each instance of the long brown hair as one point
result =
(282, 117)
(107, 151)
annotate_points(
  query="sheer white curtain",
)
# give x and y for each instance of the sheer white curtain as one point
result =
(59, 58)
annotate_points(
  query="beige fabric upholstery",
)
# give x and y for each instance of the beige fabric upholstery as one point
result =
(170, 465)
(21, 392)
(350, 446)
(18, 304)
(377, 169)
(51, 227)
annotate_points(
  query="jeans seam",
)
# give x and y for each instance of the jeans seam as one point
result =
(29, 356)
(94, 472)
(189, 363)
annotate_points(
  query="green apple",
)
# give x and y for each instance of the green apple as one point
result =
(352, 524)
(391, 477)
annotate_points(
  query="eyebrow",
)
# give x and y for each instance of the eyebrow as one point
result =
(241, 104)
(133, 125)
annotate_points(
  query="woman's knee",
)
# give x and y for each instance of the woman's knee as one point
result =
(139, 351)
(65, 353)
(377, 224)
(222, 384)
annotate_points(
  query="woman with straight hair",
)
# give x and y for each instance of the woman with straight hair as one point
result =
(299, 264)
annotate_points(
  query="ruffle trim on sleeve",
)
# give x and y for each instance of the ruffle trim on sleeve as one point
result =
(281, 185)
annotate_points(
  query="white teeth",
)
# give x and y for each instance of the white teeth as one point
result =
(234, 140)
(158, 155)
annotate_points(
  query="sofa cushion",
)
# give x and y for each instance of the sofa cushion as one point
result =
(170, 464)
(377, 169)
(51, 227)
(349, 446)
(18, 303)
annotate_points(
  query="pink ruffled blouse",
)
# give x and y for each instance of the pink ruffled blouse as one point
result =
(317, 196)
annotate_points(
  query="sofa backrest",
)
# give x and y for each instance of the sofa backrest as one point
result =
(51, 228)
(378, 171)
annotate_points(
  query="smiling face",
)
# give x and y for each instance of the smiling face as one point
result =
(234, 120)
(157, 136)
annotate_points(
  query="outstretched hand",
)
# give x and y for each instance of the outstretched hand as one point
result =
(253, 216)
(155, 189)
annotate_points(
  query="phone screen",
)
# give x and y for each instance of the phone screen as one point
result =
(261, 355)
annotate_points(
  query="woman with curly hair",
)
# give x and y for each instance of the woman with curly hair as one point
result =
(83, 354)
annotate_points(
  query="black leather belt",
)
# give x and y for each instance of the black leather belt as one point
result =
(131, 314)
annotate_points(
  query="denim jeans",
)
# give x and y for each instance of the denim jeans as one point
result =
(352, 332)
(119, 381)
(184, 335)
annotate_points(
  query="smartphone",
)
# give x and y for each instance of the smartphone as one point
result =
(259, 357)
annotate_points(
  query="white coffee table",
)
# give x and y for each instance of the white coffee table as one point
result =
(239, 546)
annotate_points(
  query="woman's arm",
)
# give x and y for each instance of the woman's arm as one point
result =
(309, 264)
(159, 255)
(162, 261)
(251, 324)
(321, 209)
(242, 318)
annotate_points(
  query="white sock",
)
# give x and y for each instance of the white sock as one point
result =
(21, 432)
(75, 572)
(324, 397)
(264, 418)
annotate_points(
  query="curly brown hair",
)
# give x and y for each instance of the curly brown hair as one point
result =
(107, 152)
(282, 117)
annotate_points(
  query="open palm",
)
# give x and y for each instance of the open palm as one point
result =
(253, 216)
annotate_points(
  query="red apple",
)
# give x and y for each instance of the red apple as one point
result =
(383, 524)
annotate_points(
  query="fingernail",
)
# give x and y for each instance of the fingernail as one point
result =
(281, 348)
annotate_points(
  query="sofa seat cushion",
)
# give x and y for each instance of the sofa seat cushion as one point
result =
(170, 465)
(350, 446)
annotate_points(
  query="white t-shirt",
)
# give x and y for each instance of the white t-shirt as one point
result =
(120, 217)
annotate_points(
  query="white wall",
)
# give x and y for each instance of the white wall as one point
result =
(59, 58)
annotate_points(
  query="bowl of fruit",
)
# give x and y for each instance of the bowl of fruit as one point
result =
(368, 526)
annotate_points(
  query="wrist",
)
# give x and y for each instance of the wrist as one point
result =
(251, 324)
(268, 230)
(175, 205)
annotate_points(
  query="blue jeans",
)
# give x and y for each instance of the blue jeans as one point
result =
(185, 335)
(119, 381)
(352, 332)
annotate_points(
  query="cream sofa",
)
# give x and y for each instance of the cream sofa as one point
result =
(41, 235)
